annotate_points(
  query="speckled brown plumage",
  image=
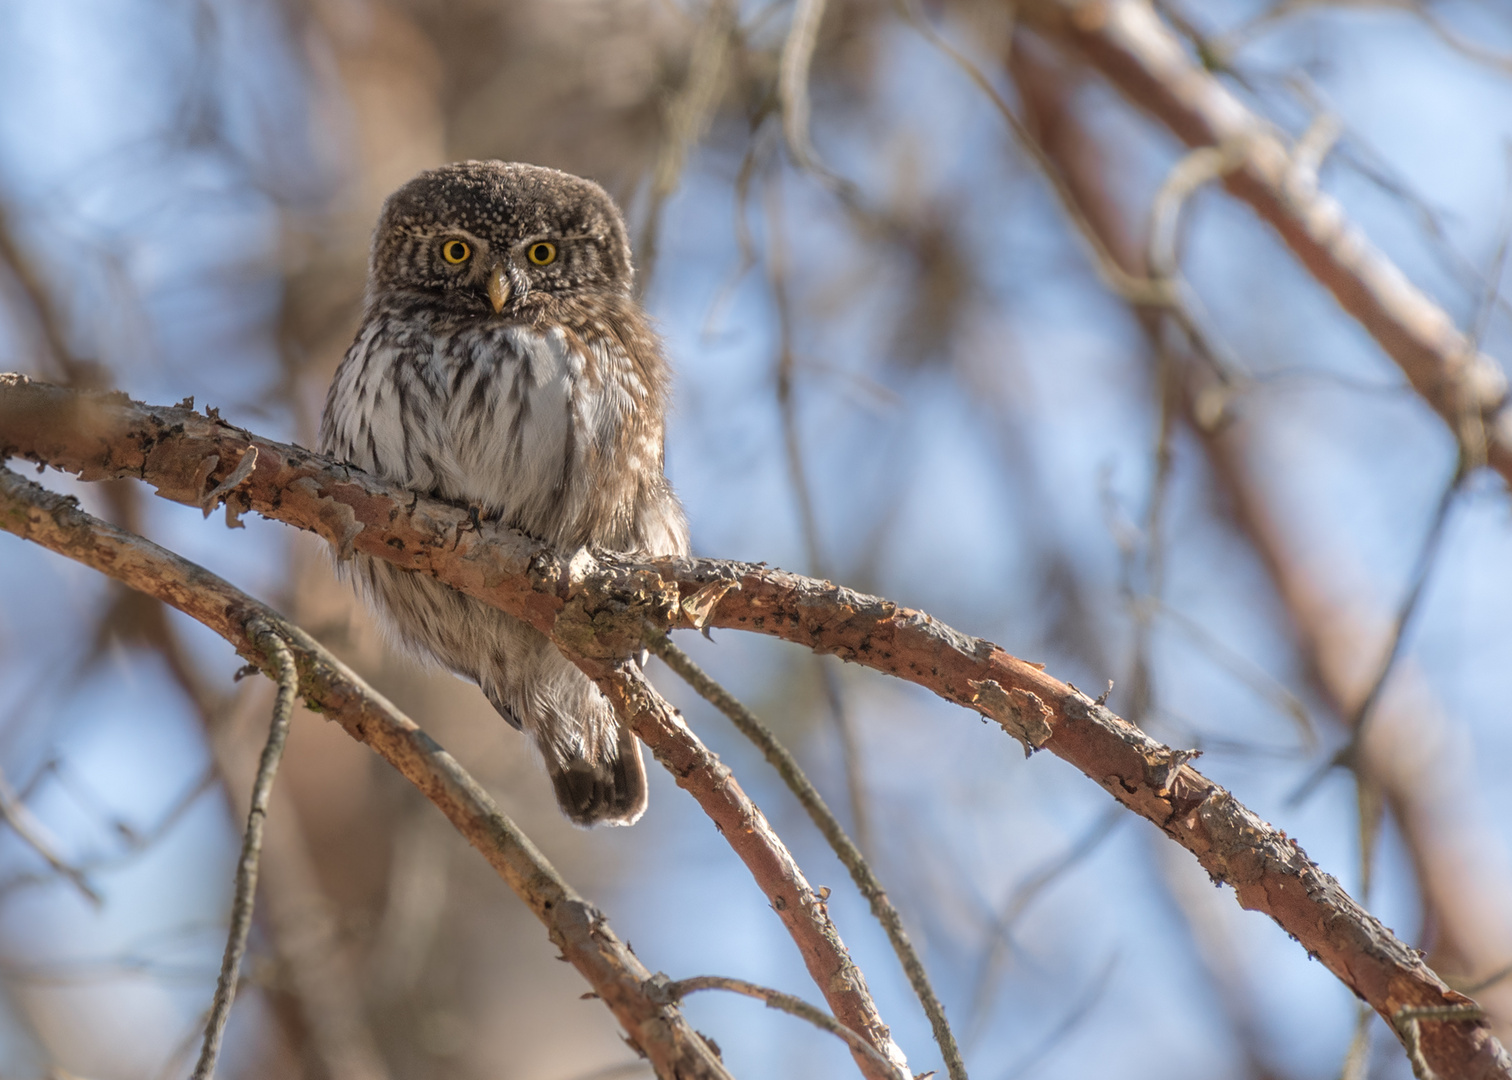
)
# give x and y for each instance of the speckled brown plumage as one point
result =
(532, 389)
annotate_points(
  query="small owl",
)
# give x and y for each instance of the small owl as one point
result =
(502, 363)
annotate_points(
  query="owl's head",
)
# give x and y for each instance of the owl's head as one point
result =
(490, 236)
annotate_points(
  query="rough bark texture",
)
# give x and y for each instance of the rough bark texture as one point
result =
(575, 926)
(197, 459)
(604, 605)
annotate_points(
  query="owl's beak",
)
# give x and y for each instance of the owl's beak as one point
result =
(498, 287)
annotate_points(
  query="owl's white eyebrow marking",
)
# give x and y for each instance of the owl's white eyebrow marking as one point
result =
(552, 236)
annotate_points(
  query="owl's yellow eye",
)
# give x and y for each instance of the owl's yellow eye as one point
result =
(542, 253)
(455, 251)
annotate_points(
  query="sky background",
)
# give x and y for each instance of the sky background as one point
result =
(192, 183)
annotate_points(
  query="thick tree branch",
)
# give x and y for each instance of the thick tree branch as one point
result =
(197, 459)
(597, 610)
(328, 686)
(1128, 43)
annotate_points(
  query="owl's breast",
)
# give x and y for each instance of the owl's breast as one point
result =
(508, 444)
(530, 427)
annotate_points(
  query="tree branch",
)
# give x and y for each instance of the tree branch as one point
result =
(597, 608)
(776, 999)
(845, 849)
(188, 455)
(1128, 43)
(281, 660)
(329, 687)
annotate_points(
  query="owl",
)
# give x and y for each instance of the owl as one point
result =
(502, 363)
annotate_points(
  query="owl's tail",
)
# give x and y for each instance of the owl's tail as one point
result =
(594, 763)
(610, 790)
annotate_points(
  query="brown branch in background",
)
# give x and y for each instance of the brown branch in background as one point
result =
(602, 607)
(686, 120)
(575, 926)
(49, 327)
(329, 1004)
(793, 81)
(808, 520)
(1127, 42)
(281, 660)
(1458, 883)
(824, 819)
(776, 999)
(1357, 722)
(14, 812)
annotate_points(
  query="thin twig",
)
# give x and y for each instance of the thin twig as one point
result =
(1357, 1058)
(687, 117)
(745, 828)
(136, 841)
(1141, 56)
(1131, 287)
(1018, 902)
(1073, 1018)
(1407, 1019)
(818, 564)
(282, 661)
(845, 849)
(1422, 569)
(19, 818)
(776, 999)
(1241, 667)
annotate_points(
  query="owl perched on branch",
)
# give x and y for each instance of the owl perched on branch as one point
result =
(503, 363)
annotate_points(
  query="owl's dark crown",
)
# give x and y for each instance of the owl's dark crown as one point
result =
(501, 211)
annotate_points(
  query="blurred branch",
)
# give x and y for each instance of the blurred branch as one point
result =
(1000, 933)
(849, 854)
(1358, 720)
(818, 565)
(1128, 43)
(19, 818)
(1135, 288)
(776, 999)
(278, 657)
(597, 611)
(329, 687)
(1429, 809)
(1221, 51)
(687, 117)
(793, 81)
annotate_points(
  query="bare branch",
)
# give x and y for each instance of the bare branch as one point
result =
(597, 610)
(793, 80)
(1128, 43)
(574, 925)
(745, 828)
(19, 818)
(438, 538)
(281, 660)
(776, 999)
(824, 819)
